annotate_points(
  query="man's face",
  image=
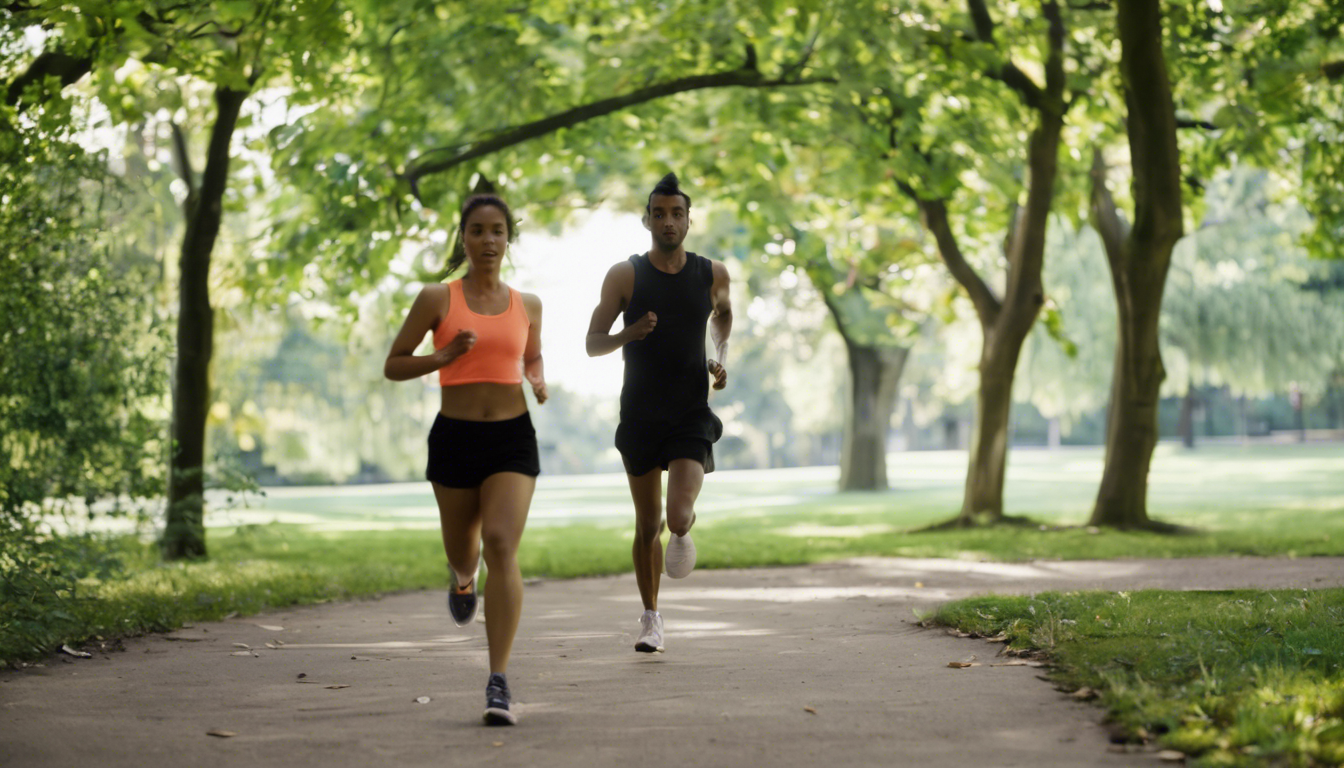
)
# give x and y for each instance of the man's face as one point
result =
(668, 220)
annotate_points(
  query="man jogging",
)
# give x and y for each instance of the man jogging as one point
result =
(667, 297)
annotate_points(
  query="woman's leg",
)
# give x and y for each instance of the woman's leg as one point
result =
(460, 523)
(504, 502)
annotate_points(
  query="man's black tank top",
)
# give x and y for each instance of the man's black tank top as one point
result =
(665, 375)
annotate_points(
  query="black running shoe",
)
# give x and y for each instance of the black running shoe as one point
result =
(462, 601)
(497, 702)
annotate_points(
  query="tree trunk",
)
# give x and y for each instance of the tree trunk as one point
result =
(184, 533)
(983, 499)
(1187, 424)
(874, 372)
(1139, 259)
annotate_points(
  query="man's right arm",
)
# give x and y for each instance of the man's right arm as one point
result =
(616, 290)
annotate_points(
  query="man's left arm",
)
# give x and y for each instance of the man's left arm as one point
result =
(720, 323)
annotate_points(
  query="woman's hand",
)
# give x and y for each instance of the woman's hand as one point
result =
(459, 346)
(538, 387)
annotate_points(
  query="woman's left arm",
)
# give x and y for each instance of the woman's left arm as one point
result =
(533, 370)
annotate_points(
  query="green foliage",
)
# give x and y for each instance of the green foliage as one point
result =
(1244, 678)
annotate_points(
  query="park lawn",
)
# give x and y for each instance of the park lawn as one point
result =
(1244, 678)
(256, 567)
(1277, 501)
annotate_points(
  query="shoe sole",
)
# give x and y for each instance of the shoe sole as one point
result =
(648, 648)
(495, 716)
(668, 570)
(469, 619)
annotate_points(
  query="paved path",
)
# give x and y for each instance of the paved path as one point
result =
(748, 652)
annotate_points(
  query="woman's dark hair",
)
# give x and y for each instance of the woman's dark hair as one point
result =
(459, 254)
(668, 185)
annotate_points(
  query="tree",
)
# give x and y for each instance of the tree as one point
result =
(1139, 257)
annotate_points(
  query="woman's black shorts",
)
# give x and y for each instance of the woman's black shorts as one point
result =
(646, 445)
(463, 453)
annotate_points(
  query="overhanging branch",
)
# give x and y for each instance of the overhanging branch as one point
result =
(744, 77)
(51, 63)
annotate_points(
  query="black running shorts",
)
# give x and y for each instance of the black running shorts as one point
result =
(648, 445)
(463, 453)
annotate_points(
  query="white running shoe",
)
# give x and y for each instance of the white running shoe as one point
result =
(650, 633)
(679, 560)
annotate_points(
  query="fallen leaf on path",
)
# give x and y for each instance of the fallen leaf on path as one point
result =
(242, 653)
(220, 734)
(962, 664)
(336, 687)
(273, 646)
(77, 654)
(1018, 663)
(302, 675)
(498, 744)
(271, 628)
(422, 700)
(810, 709)
(1171, 756)
(999, 638)
(1084, 694)
(242, 645)
(919, 585)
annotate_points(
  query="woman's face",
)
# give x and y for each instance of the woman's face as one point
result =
(485, 237)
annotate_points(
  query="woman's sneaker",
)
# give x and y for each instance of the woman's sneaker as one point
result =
(679, 560)
(650, 633)
(497, 702)
(462, 600)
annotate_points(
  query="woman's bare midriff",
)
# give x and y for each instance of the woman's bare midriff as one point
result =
(483, 402)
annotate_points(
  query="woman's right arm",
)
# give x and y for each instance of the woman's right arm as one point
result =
(402, 362)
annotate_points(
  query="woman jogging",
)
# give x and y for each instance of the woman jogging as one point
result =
(483, 459)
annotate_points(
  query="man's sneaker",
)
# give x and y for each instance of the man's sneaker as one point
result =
(497, 702)
(462, 600)
(650, 633)
(679, 560)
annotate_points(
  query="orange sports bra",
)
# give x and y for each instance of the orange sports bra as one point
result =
(497, 355)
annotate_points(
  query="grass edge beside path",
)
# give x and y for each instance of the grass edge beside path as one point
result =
(1229, 678)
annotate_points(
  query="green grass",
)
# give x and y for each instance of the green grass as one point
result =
(1279, 500)
(1245, 678)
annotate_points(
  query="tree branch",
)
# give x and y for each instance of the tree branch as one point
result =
(68, 68)
(745, 77)
(933, 213)
(1009, 73)
(1106, 218)
(183, 160)
(1203, 125)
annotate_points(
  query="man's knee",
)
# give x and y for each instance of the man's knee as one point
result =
(679, 518)
(647, 531)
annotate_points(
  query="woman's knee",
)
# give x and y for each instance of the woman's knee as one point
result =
(498, 544)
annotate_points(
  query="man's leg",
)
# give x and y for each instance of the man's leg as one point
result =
(647, 492)
(684, 478)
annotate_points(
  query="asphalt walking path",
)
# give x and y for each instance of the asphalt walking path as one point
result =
(808, 666)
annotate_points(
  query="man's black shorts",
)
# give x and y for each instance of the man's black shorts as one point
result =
(648, 445)
(463, 453)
